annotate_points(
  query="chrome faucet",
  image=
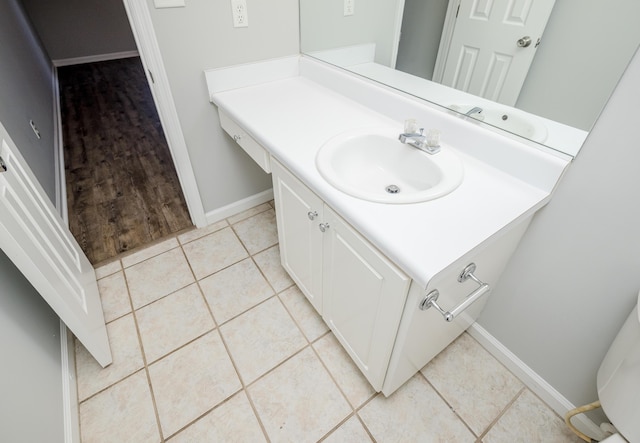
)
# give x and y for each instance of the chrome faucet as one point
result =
(419, 141)
(474, 110)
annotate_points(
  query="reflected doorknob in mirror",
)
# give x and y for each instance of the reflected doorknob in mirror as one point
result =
(524, 42)
(417, 58)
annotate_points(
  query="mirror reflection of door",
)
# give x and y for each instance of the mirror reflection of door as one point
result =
(488, 45)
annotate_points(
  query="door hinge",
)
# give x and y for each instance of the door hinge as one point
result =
(3, 166)
(151, 76)
(457, 11)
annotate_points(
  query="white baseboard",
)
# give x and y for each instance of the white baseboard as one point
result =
(533, 381)
(239, 206)
(69, 387)
(94, 58)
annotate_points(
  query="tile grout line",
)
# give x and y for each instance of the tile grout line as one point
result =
(449, 405)
(502, 413)
(309, 343)
(363, 424)
(204, 234)
(360, 408)
(143, 356)
(248, 216)
(145, 363)
(336, 427)
(216, 327)
(231, 359)
(354, 409)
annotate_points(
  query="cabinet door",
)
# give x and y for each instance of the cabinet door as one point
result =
(299, 212)
(364, 295)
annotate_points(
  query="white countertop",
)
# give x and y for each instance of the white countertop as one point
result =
(292, 117)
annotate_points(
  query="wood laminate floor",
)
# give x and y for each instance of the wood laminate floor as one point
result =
(122, 188)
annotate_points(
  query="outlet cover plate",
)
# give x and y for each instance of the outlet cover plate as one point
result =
(169, 4)
(349, 7)
(239, 13)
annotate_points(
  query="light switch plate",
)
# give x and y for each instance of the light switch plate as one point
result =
(169, 4)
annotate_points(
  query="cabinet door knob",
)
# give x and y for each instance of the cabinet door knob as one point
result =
(323, 226)
(312, 215)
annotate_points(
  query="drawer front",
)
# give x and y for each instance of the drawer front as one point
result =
(259, 154)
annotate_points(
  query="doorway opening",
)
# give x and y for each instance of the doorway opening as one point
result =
(123, 191)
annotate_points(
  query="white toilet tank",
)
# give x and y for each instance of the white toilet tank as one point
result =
(619, 379)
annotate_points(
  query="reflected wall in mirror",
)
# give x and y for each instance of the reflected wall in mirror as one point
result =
(585, 48)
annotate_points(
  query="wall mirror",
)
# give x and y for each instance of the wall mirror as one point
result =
(584, 48)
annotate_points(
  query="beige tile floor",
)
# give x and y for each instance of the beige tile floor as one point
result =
(212, 342)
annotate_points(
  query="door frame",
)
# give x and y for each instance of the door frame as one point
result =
(147, 43)
(445, 40)
(397, 29)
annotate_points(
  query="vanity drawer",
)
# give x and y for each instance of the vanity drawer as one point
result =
(253, 148)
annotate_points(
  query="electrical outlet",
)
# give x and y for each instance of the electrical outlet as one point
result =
(239, 12)
(349, 7)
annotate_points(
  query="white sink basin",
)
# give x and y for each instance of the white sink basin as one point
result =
(509, 119)
(374, 165)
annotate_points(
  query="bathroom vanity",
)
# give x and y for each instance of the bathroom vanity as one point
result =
(395, 282)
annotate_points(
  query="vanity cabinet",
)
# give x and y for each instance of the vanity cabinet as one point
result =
(298, 214)
(372, 306)
(389, 323)
(363, 296)
(357, 290)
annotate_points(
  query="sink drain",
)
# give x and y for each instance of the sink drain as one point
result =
(392, 189)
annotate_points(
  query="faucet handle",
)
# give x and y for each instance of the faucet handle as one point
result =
(410, 126)
(433, 138)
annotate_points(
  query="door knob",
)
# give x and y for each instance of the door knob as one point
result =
(524, 42)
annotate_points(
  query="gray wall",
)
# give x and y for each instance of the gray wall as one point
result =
(26, 92)
(575, 277)
(422, 25)
(31, 382)
(81, 28)
(201, 36)
(326, 27)
(585, 48)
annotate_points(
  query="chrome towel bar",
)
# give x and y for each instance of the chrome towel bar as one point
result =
(430, 300)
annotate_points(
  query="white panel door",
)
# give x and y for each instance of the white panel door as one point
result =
(36, 240)
(364, 296)
(484, 57)
(299, 212)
